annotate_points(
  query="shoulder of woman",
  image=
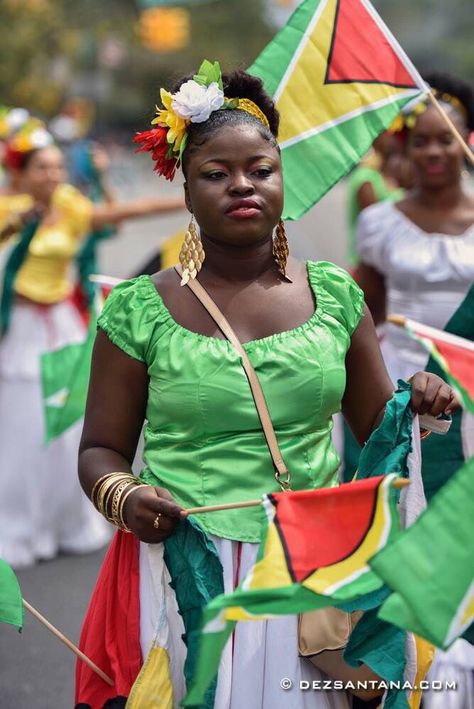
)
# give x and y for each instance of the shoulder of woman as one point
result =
(337, 292)
(130, 315)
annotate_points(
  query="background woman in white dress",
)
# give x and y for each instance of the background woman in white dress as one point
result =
(418, 254)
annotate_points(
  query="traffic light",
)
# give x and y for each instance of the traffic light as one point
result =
(164, 29)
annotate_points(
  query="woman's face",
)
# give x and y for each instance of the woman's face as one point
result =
(43, 173)
(436, 154)
(234, 186)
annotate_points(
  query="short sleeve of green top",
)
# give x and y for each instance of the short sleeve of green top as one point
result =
(203, 438)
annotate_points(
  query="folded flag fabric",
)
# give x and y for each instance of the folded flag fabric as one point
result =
(339, 78)
(65, 380)
(430, 567)
(444, 455)
(301, 567)
(455, 356)
(11, 603)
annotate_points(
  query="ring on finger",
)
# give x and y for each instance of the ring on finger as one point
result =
(156, 522)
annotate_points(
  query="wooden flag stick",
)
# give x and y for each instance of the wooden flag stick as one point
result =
(68, 643)
(253, 503)
(395, 319)
(467, 150)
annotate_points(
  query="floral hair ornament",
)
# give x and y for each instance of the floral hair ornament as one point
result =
(408, 116)
(32, 135)
(193, 103)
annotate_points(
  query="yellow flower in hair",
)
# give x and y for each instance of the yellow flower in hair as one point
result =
(167, 117)
(397, 125)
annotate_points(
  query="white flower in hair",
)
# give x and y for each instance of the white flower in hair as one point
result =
(195, 102)
(16, 118)
(40, 138)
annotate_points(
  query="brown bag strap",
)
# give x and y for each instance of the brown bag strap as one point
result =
(281, 472)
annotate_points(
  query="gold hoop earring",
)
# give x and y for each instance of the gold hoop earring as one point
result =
(281, 249)
(191, 256)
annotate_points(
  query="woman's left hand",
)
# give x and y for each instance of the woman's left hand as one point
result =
(431, 395)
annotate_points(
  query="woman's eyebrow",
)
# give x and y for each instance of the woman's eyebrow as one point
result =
(226, 162)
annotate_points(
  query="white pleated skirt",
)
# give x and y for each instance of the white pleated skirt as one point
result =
(43, 509)
(259, 658)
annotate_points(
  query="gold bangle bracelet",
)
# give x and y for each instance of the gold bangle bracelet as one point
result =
(116, 501)
(105, 489)
(97, 484)
(126, 494)
(109, 497)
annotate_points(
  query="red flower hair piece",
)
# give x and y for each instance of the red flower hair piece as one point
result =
(13, 159)
(155, 141)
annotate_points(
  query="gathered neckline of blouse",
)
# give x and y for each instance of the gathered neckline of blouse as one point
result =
(315, 317)
(423, 232)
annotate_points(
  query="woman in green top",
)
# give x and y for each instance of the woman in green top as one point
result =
(160, 358)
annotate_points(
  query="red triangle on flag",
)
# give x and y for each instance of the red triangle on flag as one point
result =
(319, 528)
(460, 363)
(361, 51)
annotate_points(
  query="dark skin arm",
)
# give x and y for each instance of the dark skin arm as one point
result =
(366, 196)
(115, 412)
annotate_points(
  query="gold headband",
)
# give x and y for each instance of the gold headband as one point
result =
(245, 104)
(452, 101)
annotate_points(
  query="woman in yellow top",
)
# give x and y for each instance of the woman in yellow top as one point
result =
(42, 509)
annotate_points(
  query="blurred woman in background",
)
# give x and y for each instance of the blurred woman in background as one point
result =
(42, 509)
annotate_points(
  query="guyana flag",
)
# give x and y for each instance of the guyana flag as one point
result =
(301, 567)
(11, 603)
(454, 355)
(339, 78)
(430, 567)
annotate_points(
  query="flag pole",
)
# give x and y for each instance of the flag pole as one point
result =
(467, 150)
(254, 503)
(68, 643)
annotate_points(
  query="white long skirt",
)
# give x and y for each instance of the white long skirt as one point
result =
(42, 507)
(260, 658)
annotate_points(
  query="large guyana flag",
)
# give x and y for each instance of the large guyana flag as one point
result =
(301, 567)
(430, 567)
(339, 78)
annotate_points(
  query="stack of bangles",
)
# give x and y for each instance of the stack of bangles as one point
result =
(110, 493)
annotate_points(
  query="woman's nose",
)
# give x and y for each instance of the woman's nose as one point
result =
(434, 148)
(241, 184)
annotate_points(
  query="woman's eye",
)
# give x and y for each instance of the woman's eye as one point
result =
(447, 139)
(215, 175)
(263, 171)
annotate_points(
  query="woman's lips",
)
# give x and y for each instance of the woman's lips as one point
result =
(243, 212)
(435, 169)
(243, 209)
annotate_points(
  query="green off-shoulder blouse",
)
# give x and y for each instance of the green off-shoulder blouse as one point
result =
(203, 438)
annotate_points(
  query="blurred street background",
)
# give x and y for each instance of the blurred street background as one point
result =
(113, 55)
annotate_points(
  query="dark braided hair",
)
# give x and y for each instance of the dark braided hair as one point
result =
(237, 84)
(443, 82)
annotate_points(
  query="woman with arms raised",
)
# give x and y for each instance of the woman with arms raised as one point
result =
(159, 356)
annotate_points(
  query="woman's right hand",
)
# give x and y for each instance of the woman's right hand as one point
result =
(151, 513)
